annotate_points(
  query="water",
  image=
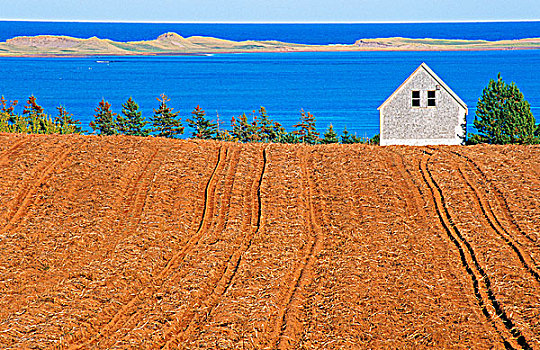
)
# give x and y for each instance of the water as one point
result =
(344, 89)
(294, 33)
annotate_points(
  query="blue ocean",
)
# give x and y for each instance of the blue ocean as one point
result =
(343, 89)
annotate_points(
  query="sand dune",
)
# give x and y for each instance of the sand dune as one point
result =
(174, 44)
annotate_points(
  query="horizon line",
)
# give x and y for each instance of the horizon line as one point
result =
(267, 22)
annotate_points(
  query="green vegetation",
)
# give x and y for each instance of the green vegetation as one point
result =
(203, 128)
(165, 122)
(269, 130)
(104, 121)
(243, 130)
(347, 138)
(306, 131)
(330, 135)
(132, 122)
(66, 123)
(34, 120)
(503, 116)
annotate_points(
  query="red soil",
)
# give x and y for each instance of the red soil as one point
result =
(122, 242)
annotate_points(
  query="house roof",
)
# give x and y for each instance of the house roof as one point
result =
(428, 70)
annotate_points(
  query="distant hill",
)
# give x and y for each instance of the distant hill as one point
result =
(174, 44)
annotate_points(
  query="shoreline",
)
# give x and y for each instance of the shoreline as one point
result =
(172, 44)
(201, 54)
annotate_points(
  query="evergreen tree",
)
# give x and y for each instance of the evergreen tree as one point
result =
(357, 139)
(6, 107)
(224, 135)
(65, 123)
(243, 130)
(375, 140)
(5, 125)
(8, 117)
(269, 130)
(306, 130)
(203, 128)
(104, 120)
(346, 137)
(165, 122)
(35, 118)
(289, 137)
(132, 122)
(503, 115)
(330, 135)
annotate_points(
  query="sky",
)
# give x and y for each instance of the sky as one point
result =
(270, 10)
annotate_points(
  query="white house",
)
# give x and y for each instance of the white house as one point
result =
(423, 111)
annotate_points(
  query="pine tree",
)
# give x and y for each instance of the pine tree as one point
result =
(243, 130)
(346, 137)
(357, 139)
(7, 115)
(104, 120)
(224, 135)
(165, 122)
(330, 135)
(306, 130)
(65, 123)
(8, 107)
(503, 115)
(269, 130)
(5, 125)
(202, 127)
(375, 140)
(289, 137)
(35, 118)
(132, 122)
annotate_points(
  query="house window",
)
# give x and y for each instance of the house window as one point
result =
(431, 98)
(416, 98)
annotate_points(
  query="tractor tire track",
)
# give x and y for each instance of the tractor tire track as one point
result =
(129, 189)
(6, 154)
(511, 336)
(496, 225)
(285, 329)
(207, 212)
(411, 188)
(140, 191)
(124, 194)
(5, 157)
(136, 194)
(137, 317)
(204, 224)
(128, 186)
(500, 198)
(325, 222)
(20, 205)
(254, 226)
(229, 181)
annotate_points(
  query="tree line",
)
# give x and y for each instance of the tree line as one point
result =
(34, 120)
(166, 122)
(503, 116)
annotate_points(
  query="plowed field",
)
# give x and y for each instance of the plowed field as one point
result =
(122, 242)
